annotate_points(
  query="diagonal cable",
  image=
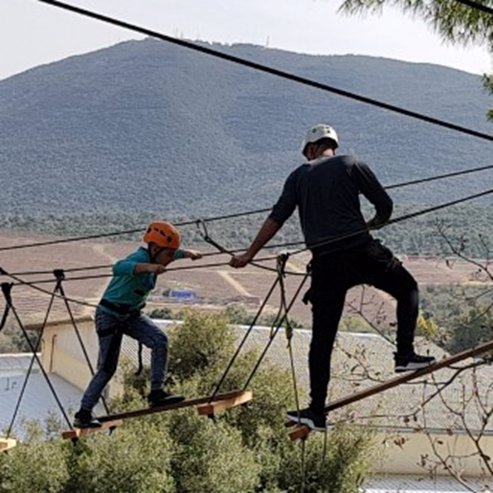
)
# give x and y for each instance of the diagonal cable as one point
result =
(270, 70)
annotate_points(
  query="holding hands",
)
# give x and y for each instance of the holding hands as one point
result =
(239, 261)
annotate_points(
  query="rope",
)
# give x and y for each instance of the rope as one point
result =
(211, 219)
(303, 465)
(270, 70)
(264, 352)
(205, 235)
(245, 337)
(324, 242)
(281, 265)
(60, 276)
(123, 232)
(34, 350)
(20, 282)
(6, 289)
(330, 240)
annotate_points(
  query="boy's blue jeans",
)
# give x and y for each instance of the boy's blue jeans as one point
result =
(110, 329)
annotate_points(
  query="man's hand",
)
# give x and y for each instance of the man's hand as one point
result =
(375, 223)
(192, 254)
(239, 261)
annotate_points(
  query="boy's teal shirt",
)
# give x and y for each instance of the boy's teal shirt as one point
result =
(128, 288)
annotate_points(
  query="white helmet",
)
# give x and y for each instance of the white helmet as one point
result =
(319, 132)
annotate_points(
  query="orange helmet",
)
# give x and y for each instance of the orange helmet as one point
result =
(163, 234)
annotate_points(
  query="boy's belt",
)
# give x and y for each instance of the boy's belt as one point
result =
(121, 308)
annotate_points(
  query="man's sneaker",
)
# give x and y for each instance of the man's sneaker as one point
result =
(161, 398)
(412, 362)
(314, 421)
(84, 419)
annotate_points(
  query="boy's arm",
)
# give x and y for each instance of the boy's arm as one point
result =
(192, 254)
(132, 268)
(142, 268)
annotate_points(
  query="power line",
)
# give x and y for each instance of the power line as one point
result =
(270, 70)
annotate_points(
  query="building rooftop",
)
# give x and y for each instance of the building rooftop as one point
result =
(38, 402)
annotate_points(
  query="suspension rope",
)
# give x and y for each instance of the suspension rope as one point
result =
(243, 341)
(32, 285)
(405, 217)
(60, 276)
(122, 232)
(210, 219)
(8, 300)
(271, 339)
(323, 242)
(205, 235)
(6, 289)
(270, 70)
(33, 359)
(281, 266)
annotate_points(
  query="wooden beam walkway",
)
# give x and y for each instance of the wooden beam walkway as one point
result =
(302, 431)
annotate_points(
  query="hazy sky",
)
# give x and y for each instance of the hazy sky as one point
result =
(32, 33)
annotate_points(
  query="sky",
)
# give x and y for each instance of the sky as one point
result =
(33, 33)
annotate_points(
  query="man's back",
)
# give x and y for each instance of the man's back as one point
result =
(326, 192)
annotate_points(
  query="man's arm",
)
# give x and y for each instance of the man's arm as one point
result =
(371, 188)
(266, 232)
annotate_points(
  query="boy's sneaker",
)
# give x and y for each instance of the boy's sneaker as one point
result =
(314, 421)
(161, 398)
(412, 362)
(84, 419)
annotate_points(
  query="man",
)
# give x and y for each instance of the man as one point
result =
(326, 191)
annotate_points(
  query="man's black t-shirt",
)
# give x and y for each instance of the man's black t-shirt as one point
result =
(326, 192)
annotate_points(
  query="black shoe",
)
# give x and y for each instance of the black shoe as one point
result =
(314, 421)
(412, 362)
(84, 419)
(161, 398)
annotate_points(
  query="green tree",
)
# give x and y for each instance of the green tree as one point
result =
(246, 449)
(453, 21)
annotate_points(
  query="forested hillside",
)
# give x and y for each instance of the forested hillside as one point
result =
(145, 129)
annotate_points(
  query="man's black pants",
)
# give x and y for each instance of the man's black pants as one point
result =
(333, 274)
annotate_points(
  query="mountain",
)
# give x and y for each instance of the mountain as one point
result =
(145, 127)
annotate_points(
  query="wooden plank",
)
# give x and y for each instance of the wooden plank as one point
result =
(299, 432)
(80, 432)
(408, 376)
(404, 378)
(216, 406)
(187, 403)
(7, 444)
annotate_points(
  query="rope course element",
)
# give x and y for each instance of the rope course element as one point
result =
(276, 330)
(405, 217)
(300, 432)
(270, 70)
(34, 349)
(60, 276)
(205, 235)
(210, 219)
(243, 340)
(324, 242)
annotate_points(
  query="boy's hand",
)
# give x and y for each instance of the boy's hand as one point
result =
(193, 254)
(156, 269)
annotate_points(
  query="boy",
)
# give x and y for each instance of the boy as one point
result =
(119, 312)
